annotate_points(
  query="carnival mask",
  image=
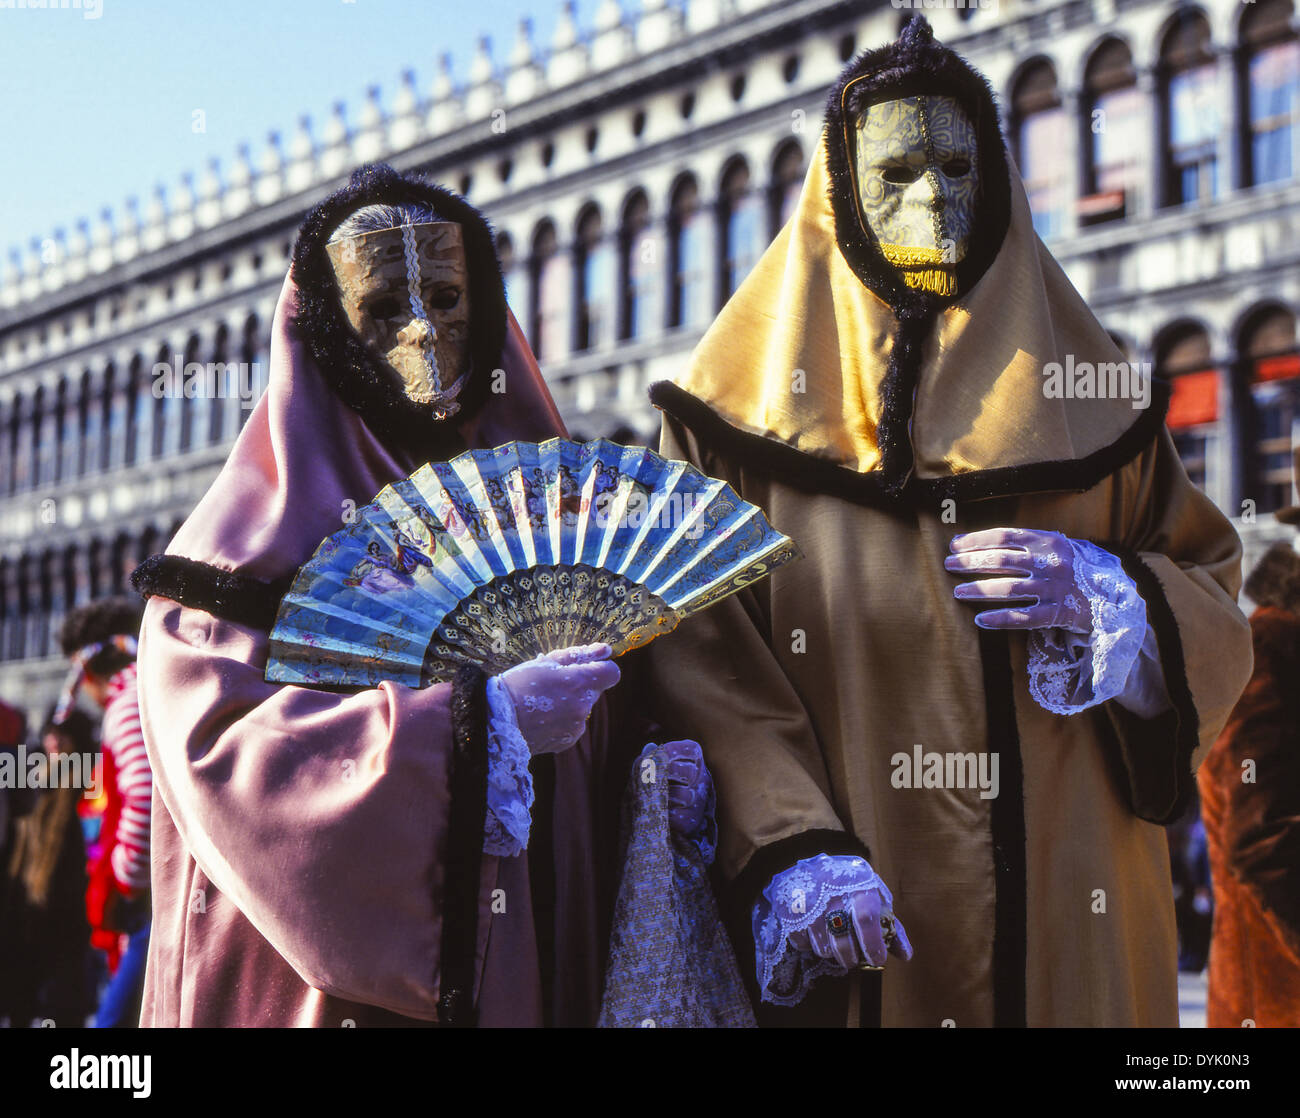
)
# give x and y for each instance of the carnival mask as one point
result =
(405, 291)
(917, 177)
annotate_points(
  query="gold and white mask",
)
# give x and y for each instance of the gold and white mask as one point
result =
(917, 179)
(405, 291)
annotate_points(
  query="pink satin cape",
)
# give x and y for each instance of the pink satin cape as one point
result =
(298, 835)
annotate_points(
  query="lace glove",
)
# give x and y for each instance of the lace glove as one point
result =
(824, 915)
(510, 783)
(538, 707)
(692, 803)
(1089, 641)
(553, 694)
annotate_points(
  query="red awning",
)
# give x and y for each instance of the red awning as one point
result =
(1195, 399)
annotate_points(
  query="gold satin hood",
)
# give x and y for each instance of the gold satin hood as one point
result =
(881, 389)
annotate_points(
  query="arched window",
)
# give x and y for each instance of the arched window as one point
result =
(95, 564)
(46, 424)
(226, 384)
(1183, 356)
(37, 607)
(1039, 126)
(550, 295)
(80, 575)
(135, 373)
(1190, 111)
(688, 300)
(16, 610)
(1269, 364)
(166, 426)
(140, 446)
(1114, 131)
(593, 282)
(638, 260)
(117, 393)
(8, 608)
(60, 595)
(6, 447)
(23, 443)
(123, 563)
(739, 228)
(787, 181)
(70, 414)
(1269, 61)
(192, 409)
(91, 406)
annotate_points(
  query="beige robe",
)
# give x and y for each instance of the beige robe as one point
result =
(1050, 904)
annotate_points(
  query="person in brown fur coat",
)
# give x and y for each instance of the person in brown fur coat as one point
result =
(1250, 803)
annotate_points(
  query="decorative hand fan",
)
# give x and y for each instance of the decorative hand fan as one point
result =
(500, 555)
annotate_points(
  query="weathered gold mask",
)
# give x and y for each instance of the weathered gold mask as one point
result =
(405, 291)
(917, 179)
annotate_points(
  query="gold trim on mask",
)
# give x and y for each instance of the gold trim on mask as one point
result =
(922, 268)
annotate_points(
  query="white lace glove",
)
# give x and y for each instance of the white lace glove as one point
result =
(1033, 569)
(828, 914)
(1089, 640)
(553, 694)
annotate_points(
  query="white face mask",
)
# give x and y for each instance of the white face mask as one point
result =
(917, 180)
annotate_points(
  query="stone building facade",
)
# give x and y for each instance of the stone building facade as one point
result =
(634, 170)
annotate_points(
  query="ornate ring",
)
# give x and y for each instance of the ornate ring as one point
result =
(837, 923)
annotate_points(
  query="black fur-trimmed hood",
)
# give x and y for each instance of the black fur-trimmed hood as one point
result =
(915, 64)
(358, 376)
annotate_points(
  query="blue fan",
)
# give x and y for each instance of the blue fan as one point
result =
(500, 555)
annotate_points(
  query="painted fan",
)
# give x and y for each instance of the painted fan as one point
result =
(500, 555)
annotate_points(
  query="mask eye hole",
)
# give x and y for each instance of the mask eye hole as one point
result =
(384, 307)
(957, 167)
(900, 176)
(445, 299)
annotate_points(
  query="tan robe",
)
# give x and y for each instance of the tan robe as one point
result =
(804, 688)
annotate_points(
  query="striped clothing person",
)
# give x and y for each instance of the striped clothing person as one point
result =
(123, 740)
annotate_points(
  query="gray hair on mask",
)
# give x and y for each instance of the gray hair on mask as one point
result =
(370, 219)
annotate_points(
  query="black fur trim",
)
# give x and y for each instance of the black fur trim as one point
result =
(1010, 928)
(821, 475)
(463, 862)
(1156, 753)
(361, 379)
(898, 397)
(915, 64)
(232, 596)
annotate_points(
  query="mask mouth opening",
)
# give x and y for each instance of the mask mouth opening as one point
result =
(915, 66)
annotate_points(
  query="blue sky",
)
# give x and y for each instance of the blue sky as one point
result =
(94, 110)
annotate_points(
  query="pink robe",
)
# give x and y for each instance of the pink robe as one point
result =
(300, 836)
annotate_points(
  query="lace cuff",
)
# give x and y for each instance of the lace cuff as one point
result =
(510, 783)
(791, 902)
(1070, 672)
